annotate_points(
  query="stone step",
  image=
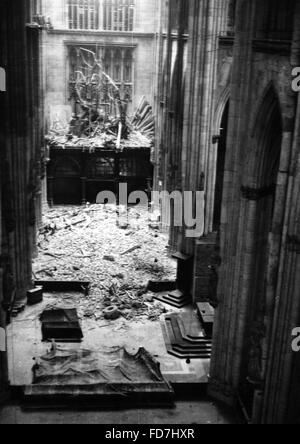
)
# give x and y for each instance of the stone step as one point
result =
(176, 299)
(190, 327)
(136, 395)
(181, 347)
(176, 337)
(189, 355)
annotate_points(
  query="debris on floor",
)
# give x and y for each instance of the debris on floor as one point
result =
(113, 365)
(89, 244)
(112, 375)
(102, 141)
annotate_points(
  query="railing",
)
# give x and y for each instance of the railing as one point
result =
(101, 15)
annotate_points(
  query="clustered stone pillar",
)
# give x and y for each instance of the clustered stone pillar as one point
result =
(267, 320)
(21, 136)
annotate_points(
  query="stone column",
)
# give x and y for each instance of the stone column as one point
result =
(237, 220)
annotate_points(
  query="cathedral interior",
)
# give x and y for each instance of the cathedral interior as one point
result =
(115, 307)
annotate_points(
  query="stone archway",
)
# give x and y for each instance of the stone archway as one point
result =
(262, 168)
(220, 167)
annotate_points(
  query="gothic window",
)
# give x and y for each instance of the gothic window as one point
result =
(128, 63)
(117, 66)
(116, 62)
(83, 14)
(118, 15)
(107, 61)
(106, 15)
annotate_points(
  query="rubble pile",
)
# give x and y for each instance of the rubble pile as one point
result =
(101, 140)
(119, 255)
(93, 129)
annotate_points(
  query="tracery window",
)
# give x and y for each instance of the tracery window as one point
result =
(117, 62)
(118, 15)
(106, 15)
(83, 14)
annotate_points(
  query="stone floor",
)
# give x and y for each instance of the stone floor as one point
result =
(25, 344)
(196, 412)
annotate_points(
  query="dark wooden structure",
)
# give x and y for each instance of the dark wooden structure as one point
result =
(76, 175)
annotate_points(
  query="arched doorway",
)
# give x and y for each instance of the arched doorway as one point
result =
(263, 171)
(221, 156)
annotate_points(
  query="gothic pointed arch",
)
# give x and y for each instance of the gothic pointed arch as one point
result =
(263, 168)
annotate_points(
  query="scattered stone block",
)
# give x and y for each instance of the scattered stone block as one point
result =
(35, 296)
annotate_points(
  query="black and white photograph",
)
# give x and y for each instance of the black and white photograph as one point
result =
(150, 215)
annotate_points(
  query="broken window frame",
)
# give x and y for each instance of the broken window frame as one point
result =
(112, 57)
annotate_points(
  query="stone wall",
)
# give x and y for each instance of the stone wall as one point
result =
(55, 54)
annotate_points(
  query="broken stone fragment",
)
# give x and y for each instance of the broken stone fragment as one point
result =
(142, 291)
(88, 313)
(137, 305)
(111, 313)
(114, 300)
(154, 226)
(123, 225)
(120, 276)
(109, 258)
(148, 297)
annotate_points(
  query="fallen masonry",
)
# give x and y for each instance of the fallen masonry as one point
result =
(86, 251)
(101, 146)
